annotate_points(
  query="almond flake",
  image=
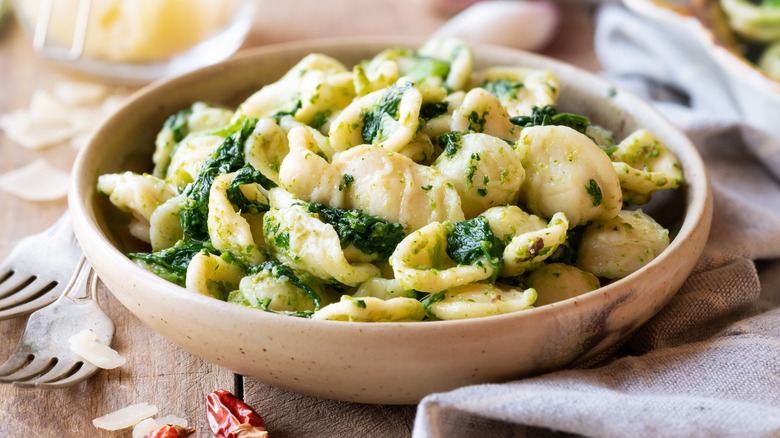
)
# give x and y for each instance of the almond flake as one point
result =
(37, 181)
(79, 93)
(125, 417)
(143, 427)
(86, 345)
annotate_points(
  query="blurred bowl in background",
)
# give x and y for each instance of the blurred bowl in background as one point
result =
(136, 41)
(752, 90)
(524, 25)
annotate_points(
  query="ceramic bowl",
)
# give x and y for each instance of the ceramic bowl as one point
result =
(752, 91)
(394, 363)
(127, 62)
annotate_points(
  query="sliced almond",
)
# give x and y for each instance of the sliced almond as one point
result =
(171, 419)
(125, 417)
(20, 128)
(79, 93)
(86, 345)
(142, 428)
(37, 181)
(45, 109)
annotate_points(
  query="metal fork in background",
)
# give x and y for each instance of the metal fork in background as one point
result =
(43, 358)
(38, 269)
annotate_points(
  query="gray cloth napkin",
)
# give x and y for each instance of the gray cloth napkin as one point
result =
(708, 365)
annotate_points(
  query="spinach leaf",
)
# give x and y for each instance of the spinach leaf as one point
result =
(346, 181)
(450, 142)
(469, 240)
(175, 128)
(477, 121)
(424, 67)
(370, 234)
(567, 252)
(594, 190)
(431, 299)
(548, 115)
(171, 264)
(228, 157)
(179, 124)
(277, 116)
(388, 104)
(248, 175)
(432, 110)
(320, 118)
(230, 129)
(503, 88)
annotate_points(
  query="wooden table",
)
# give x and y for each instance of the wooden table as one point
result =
(157, 371)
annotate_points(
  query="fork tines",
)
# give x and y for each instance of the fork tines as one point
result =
(38, 269)
(17, 289)
(49, 372)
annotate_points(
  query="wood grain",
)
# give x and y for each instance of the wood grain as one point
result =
(291, 415)
(157, 371)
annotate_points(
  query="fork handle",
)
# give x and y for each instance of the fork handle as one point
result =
(83, 285)
(64, 225)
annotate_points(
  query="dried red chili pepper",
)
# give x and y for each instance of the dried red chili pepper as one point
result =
(229, 417)
(171, 431)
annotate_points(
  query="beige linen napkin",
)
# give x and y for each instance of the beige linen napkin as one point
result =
(708, 365)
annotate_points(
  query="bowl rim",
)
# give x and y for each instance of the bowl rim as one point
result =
(698, 202)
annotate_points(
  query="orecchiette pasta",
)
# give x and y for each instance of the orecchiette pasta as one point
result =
(441, 123)
(645, 165)
(296, 92)
(383, 288)
(188, 157)
(194, 120)
(300, 240)
(228, 230)
(370, 309)
(165, 224)
(420, 149)
(388, 118)
(483, 112)
(528, 250)
(510, 220)
(619, 246)
(138, 194)
(266, 148)
(555, 282)
(407, 188)
(485, 170)
(324, 147)
(420, 262)
(566, 172)
(306, 174)
(396, 188)
(375, 77)
(211, 275)
(457, 54)
(281, 295)
(476, 300)
(519, 89)
(315, 61)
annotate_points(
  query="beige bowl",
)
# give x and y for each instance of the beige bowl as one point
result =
(379, 362)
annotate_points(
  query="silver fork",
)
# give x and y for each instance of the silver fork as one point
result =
(37, 270)
(43, 358)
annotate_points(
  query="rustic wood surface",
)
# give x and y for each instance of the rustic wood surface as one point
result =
(157, 371)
